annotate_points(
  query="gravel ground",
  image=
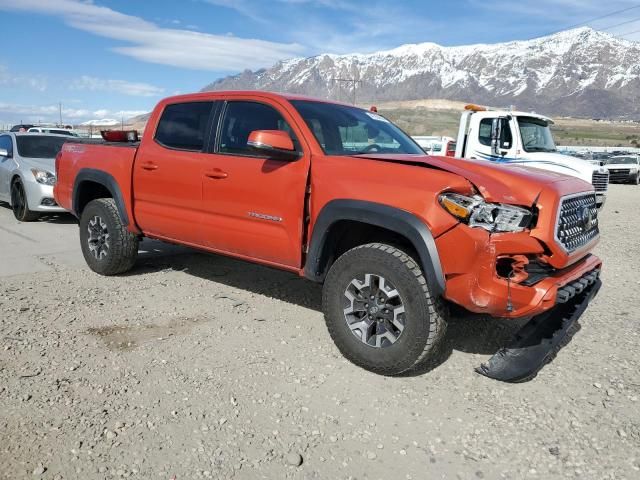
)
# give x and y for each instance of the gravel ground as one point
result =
(198, 366)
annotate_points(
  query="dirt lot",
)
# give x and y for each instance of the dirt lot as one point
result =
(198, 366)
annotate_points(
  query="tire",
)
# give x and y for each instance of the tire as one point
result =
(409, 305)
(20, 205)
(637, 180)
(108, 247)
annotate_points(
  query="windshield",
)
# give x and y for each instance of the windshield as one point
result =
(623, 161)
(39, 146)
(536, 135)
(345, 130)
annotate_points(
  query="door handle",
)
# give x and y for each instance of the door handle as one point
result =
(149, 166)
(217, 174)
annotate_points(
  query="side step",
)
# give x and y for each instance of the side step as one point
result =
(540, 338)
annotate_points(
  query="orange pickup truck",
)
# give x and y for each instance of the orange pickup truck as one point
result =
(343, 197)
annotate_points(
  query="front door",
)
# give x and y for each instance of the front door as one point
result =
(167, 175)
(507, 146)
(253, 206)
(6, 167)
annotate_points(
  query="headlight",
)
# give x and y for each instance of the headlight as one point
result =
(493, 217)
(44, 177)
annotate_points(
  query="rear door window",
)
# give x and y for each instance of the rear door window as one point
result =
(185, 126)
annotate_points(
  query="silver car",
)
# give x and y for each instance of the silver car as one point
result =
(27, 173)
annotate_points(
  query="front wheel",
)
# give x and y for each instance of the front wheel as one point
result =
(637, 180)
(380, 312)
(20, 205)
(108, 247)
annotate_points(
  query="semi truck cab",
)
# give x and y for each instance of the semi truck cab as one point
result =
(522, 138)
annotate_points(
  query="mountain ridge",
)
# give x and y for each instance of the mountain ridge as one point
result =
(580, 72)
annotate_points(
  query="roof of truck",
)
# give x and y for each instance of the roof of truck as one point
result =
(244, 93)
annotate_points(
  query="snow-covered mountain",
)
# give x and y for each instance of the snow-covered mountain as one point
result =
(104, 122)
(580, 72)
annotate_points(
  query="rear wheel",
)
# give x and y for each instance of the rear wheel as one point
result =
(108, 247)
(20, 205)
(380, 312)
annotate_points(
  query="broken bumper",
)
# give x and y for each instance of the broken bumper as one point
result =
(470, 258)
(539, 339)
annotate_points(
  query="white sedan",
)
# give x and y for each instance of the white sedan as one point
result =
(27, 173)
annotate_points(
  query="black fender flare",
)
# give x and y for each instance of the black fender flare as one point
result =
(380, 215)
(107, 181)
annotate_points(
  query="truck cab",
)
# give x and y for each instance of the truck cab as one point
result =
(522, 138)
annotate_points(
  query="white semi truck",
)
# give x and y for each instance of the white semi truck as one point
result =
(521, 138)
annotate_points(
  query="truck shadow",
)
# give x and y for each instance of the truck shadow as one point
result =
(466, 332)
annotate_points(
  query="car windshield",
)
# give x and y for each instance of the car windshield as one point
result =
(623, 161)
(39, 146)
(536, 135)
(345, 130)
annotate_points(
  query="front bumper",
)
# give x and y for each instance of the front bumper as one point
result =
(470, 259)
(40, 197)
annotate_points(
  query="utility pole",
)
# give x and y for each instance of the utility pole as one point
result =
(60, 111)
(349, 82)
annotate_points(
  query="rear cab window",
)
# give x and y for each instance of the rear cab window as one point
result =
(185, 126)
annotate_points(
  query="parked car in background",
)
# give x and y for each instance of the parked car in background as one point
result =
(21, 127)
(440, 146)
(27, 173)
(57, 131)
(625, 169)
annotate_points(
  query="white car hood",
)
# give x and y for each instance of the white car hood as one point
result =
(556, 162)
(48, 164)
(622, 165)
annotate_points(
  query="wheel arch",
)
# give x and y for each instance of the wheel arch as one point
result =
(405, 226)
(91, 184)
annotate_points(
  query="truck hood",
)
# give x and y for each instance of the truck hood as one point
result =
(512, 184)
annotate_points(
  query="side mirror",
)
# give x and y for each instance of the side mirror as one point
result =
(4, 153)
(276, 144)
(496, 135)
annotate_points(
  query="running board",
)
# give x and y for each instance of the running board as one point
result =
(538, 340)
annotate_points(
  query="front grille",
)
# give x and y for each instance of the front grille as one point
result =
(600, 181)
(577, 221)
(620, 171)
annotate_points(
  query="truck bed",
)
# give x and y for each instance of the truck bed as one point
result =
(87, 160)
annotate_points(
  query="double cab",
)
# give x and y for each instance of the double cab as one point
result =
(343, 197)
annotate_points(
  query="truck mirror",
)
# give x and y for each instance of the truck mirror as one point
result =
(276, 144)
(496, 135)
(4, 153)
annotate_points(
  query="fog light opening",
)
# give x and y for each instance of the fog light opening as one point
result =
(512, 268)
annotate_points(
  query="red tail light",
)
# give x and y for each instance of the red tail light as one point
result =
(119, 135)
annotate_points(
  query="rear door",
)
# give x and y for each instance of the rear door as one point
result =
(168, 173)
(253, 205)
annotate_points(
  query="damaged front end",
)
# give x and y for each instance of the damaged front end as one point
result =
(536, 266)
(539, 339)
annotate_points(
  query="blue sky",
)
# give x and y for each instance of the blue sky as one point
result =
(113, 58)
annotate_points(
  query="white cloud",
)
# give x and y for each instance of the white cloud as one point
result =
(12, 113)
(124, 87)
(167, 46)
(8, 79)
